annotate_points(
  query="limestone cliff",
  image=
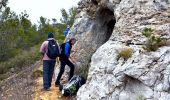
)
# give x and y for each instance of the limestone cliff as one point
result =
(103, 28)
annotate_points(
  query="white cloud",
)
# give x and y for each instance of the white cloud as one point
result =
(46, 8)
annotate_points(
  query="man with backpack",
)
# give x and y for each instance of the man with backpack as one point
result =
(50, 50)
(64, 59)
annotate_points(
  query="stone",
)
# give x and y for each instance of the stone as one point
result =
(102, 29)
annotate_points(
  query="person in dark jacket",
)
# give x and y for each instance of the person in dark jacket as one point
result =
(48, 63)
(64, 59)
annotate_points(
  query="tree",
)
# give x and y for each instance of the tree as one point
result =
(24, 21)
(68, 17)
(3, 3)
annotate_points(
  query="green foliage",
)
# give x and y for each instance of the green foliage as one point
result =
(147, 32)
(153, 42)
(25, 22)
(19, 37)
(68, 17)
(125, 52)
(25, 58)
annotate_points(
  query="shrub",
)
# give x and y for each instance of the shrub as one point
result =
(23, 59)
(125, 52)
(153, 42)
(147, 32)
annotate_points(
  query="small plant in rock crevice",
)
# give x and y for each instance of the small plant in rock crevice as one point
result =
(125, 52)
(153, 42)
(140, 97)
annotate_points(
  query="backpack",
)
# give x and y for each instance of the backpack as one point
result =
(62, 48)
(73, 85)
(53, 49)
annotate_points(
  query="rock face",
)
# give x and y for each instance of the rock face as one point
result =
(92, 30)
(103, 28)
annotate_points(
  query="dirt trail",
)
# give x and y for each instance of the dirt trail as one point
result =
(23, 86)
(53, 94)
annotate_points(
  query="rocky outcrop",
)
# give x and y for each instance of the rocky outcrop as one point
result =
(145, 75)
(93, 27)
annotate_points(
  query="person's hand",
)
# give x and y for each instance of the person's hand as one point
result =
(72, 60)
(74, 50)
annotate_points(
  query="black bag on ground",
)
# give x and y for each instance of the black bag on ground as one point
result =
(73, 85)
(53, 49)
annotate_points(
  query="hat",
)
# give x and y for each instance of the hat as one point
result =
(73, 38)
(50, 35)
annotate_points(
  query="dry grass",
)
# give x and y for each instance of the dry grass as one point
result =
(126, 52)
(37, 73)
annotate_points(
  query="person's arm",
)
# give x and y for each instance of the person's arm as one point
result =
(72, 56)
(67, 47)
(59, 47)
(42, 50)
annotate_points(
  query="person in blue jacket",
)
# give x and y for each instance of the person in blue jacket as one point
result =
(67, 30)
(64, 60)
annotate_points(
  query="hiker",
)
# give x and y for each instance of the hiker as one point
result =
(67, 31)
(49, 54)
(64, 59)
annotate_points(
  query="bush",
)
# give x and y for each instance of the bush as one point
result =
(153, 42)
(147, 32)
(23, 59)
(125, 52)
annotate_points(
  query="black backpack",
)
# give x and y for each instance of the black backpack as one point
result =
(53, 49)
(72, 86)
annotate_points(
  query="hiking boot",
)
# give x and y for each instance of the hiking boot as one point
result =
(57, 84)
(45, 89)
(60, 87)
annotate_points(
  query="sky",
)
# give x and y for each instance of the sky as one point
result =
(46, 8)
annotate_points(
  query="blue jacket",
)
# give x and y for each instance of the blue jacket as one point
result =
(66, 49)
(66, 31)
